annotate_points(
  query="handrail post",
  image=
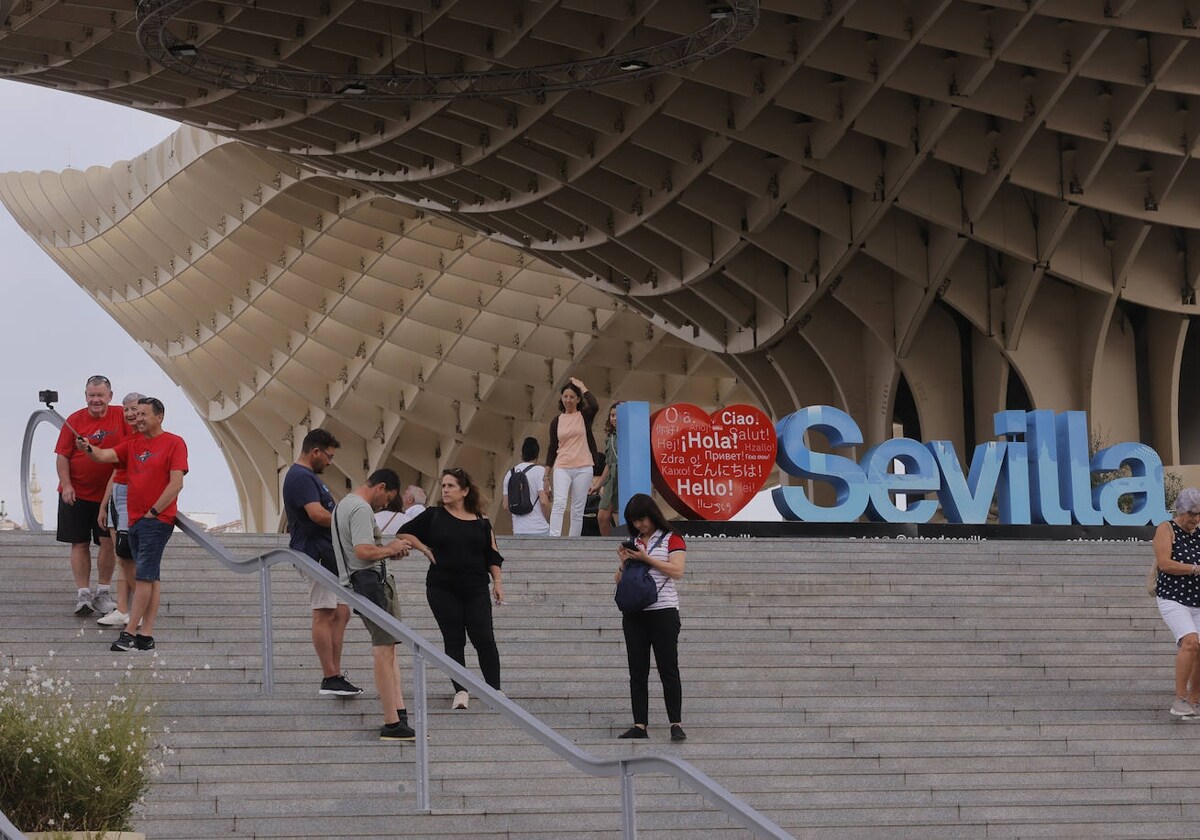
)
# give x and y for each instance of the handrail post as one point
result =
(264, 600)
(421, 719)
(628, 806)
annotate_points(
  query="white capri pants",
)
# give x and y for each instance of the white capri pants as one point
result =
(576, 480)
(1182, 619)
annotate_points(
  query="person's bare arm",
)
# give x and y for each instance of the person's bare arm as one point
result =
(369, 553)
(415, 543)
(102, 517)
(170, 492)
(103, 456)
(63, 467)
(318, 515)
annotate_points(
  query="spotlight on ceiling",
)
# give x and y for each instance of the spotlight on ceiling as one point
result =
(631, 64)
(354, 89)
(720, 12)
(183, 50)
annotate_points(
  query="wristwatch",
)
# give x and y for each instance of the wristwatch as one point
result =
(154, 512)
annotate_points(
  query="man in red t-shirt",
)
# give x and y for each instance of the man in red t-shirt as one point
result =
(81, 486)
(155, 463)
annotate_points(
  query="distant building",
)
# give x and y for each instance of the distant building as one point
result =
(7, 524)
(35, 494)
(233, 527)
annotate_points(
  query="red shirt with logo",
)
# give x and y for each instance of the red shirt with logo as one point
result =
(88, 477)
(148, 463)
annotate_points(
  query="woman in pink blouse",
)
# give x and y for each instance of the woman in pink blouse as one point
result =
(571, 456)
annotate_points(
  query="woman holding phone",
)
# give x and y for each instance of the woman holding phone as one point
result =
(655, 628)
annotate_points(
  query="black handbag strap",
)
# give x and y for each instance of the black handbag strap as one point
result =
(338, 548)
(657, 542)
(344, 563)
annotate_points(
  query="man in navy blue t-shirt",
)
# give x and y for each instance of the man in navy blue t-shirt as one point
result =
(309, 505)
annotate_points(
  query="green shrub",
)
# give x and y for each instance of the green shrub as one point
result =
(71, 759)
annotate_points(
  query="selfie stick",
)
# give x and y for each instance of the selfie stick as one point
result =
(50, 405)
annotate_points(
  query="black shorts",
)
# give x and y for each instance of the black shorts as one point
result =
(77, 523)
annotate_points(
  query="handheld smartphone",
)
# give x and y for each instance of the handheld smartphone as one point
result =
(629, 544)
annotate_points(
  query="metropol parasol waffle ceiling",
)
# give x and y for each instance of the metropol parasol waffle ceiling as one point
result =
(381, 221)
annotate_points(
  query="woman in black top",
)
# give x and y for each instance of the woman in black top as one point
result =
(456, 586)
(1177, 585)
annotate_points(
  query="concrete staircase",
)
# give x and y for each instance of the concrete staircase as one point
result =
(847, 688)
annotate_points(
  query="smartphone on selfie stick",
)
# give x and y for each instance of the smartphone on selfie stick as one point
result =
(50, 398)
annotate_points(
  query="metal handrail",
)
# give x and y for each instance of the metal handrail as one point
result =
(623, 768)
(8, 831)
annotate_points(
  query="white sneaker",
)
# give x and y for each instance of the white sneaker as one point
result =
(115, 618)
(461, 699)
(1182, 708)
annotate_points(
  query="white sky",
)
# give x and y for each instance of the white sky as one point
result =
(52, 334)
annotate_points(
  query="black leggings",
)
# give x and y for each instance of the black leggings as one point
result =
(467, 612)
(657, 629)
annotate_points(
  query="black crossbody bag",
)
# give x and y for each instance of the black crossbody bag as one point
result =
(368, 583)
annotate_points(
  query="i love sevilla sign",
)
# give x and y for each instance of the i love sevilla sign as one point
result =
(709, 466)
(1038, 471)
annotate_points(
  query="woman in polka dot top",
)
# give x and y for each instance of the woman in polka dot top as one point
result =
(1177, 557)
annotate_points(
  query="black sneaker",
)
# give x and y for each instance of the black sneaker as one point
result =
(339, 686)
(144, 642)
(634, 732)
(125, 641)
(397, 731)
(677, 733)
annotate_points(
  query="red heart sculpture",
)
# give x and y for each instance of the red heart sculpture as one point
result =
(709, 466)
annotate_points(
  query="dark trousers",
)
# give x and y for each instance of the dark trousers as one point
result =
(657, 630)
(467, 612)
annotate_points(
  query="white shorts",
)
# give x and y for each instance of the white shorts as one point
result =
(319, 598)
(1182, 620)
